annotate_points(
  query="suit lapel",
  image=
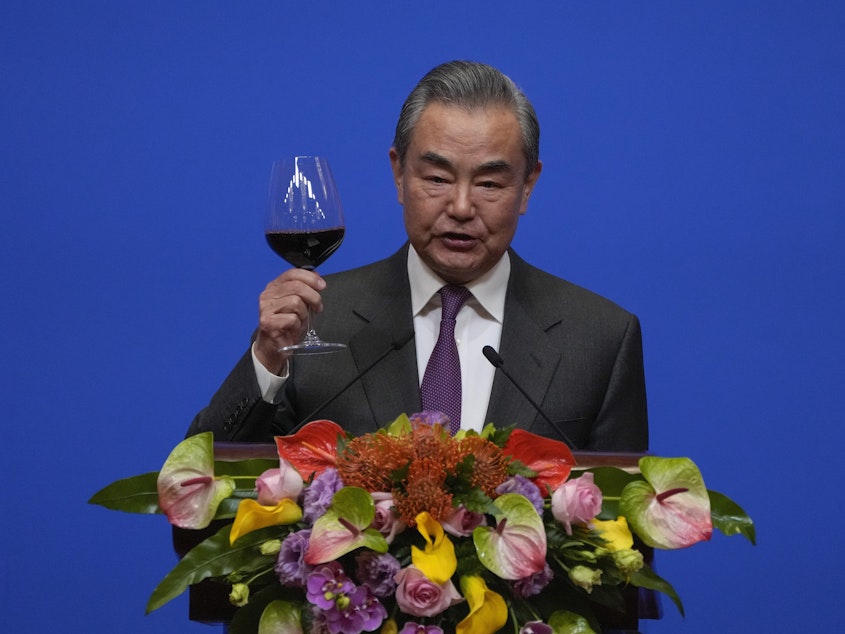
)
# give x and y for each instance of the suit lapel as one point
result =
(528, 357)
(389, 387)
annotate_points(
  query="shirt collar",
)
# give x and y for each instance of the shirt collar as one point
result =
(488, 290)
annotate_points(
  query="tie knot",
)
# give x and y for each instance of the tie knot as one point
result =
(453, 297)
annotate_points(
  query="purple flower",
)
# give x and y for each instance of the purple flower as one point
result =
(430, 417)
(328, 585)
(376, 571)
(318, 495)
(416, 628)
(536, 627)
(533, 584)
(290, 564)
(359, 612)
(523, 486)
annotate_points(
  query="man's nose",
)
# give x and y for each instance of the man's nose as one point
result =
(462, 205)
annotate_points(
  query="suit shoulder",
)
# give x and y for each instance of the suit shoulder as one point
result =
(554, 295)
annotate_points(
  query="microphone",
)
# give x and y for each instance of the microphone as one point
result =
(397, 344)
(499, 363)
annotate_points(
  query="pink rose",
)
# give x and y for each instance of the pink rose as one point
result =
(419, 596)
(461, 522)
(387, 521)
(279, 484)
(576, 501)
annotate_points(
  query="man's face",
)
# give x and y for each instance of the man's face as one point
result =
(463, 188)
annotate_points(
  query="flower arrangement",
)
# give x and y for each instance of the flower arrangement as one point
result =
(412, 531)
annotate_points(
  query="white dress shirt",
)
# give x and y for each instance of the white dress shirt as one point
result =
(478, 324)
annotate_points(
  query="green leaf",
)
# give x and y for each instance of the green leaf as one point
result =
(645, 577)
(138, 494)
(214, 557)
(565, 622)
(729, 517)
(281, 617)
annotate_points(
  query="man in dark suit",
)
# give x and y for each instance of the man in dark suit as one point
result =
(465, 159)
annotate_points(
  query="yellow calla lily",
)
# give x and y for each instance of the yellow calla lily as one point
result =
(251, 516)
(487, 610)
(616, 532)
(438, 561)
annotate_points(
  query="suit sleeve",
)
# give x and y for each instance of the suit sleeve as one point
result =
(622, 423)
(237, 411)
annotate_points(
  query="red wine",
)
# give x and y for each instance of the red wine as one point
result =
(305, 249)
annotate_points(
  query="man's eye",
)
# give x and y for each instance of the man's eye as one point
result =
(489, 184)
(436, 179)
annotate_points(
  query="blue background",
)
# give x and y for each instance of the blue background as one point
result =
(693, 173)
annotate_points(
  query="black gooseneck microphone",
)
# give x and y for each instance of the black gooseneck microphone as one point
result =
(499, 363)
(397, 344)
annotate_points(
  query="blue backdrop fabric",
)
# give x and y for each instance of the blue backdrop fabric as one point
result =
(693, 173)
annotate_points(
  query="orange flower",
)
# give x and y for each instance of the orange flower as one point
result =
(490, 467)
(424, 492)
(371, 461)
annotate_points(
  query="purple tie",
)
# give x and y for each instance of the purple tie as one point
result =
(441, 386)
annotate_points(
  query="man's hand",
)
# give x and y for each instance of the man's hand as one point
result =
(283, 314)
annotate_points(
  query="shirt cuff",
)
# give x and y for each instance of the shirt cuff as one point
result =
(269, 384)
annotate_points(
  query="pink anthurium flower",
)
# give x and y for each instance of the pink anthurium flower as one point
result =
(671, 508)
(344, 527)
(516, 547)
(188, 491)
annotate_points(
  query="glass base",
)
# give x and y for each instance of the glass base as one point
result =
(313, 346)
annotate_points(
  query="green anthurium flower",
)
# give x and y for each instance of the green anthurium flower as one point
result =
(188, 491)
(345, 527)
(251, 516)
(487, 609)
(280, 617)
(438, 561)
(671, 508)
(516, 547)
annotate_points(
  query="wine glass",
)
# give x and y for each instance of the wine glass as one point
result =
(304, 225)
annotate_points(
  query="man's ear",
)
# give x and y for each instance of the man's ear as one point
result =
(396, 167)
(529, 186)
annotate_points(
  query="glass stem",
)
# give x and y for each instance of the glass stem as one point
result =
(310, 335)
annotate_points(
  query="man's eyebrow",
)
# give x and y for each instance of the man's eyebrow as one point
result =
(497, 165)
(436, 159)
(494, 166)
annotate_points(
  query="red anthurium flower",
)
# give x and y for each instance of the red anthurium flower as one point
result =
(551, 460)
(312, 449)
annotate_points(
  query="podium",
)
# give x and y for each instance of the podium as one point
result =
(208, 601)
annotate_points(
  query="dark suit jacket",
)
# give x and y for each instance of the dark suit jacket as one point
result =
(577, 354)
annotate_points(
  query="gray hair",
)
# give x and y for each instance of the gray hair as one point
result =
(469, 85)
